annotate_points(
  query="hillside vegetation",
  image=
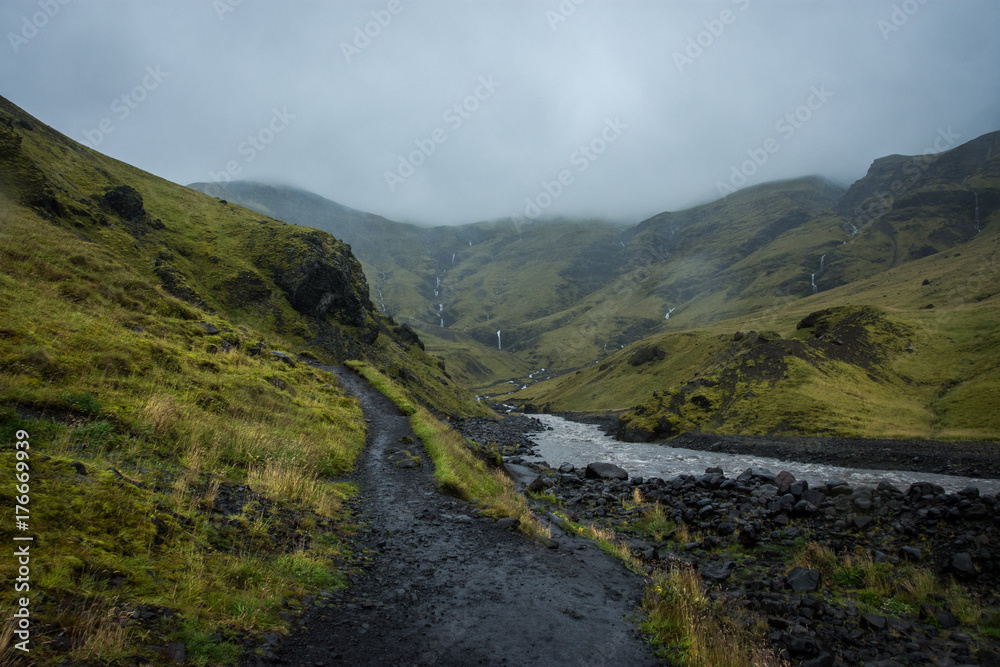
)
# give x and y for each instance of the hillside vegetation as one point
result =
(152, 346)
(691, 317)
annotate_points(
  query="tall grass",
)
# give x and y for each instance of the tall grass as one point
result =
(885, 588)
(693, 630)
(175, 418)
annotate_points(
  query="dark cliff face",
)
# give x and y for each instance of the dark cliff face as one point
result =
(894, 178)
(320, 276)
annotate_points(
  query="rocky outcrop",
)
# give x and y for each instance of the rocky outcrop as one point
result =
(319, 275)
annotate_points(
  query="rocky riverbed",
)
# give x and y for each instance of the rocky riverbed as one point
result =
(839, 575)
(961, 458)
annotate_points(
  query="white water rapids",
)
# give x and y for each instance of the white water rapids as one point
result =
(580, 444)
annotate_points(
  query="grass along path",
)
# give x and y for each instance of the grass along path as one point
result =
(457, 470)
(450, 585)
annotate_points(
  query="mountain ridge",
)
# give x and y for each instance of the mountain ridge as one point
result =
(564, 296)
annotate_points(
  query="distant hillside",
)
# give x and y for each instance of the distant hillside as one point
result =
(500, 301)
(899, 337)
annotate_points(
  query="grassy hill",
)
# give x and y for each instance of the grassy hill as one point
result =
(180, 449)
(906, 305)
(905, 256)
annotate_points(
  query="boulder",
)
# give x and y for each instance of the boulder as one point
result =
(175, 652)
(873, 621)
(537, 485)
(716, 573)
(947, 619)
(962, 565)
(283, 358)
(814, 496)
(784, 480)
(522, 475)
(605, 471)
(802, 580)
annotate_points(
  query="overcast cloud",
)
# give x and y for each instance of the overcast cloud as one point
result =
(666, 97)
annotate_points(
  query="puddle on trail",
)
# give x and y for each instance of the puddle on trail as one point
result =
(580, 444)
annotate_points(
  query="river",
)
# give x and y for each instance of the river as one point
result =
(580, 444)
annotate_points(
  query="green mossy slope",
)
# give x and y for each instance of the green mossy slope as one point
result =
(181, 451)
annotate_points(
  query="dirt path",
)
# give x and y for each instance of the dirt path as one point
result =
(448, 587)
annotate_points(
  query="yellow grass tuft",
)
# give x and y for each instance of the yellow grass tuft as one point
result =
(690, 629)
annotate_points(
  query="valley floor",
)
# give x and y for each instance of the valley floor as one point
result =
(447, 586)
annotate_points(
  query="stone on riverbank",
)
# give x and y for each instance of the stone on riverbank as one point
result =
(605, 471)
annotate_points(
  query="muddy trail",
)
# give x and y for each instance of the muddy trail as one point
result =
(446, 586)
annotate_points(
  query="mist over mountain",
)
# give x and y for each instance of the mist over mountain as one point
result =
(565, 292)
(309, 407)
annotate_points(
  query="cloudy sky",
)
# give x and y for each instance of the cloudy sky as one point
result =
(451, 111)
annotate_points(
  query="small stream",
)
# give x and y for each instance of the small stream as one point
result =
(580, 444)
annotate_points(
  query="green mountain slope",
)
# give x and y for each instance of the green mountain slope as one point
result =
(905, 316)
(582, 300)
(175, 476)
(459, 285)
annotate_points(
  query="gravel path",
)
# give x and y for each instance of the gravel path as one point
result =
(449, 587)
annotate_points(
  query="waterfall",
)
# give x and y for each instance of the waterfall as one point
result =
(812, 281)
(821, 259)
(381, 297)
(669, 310)
(438, 278)
(976, 194)
(452, 258)
(621, 244)
(855, 230)
(498, 340)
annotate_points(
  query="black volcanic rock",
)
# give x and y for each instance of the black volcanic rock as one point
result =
(321, 276)
(126, 202)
